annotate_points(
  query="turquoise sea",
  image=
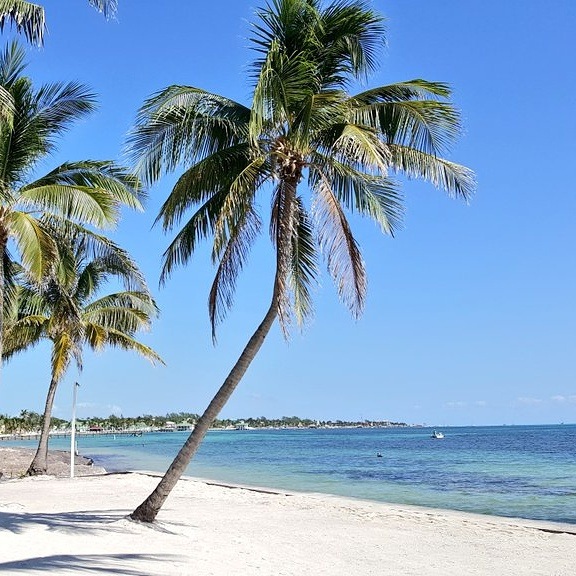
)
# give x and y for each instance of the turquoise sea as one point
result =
(517, 471)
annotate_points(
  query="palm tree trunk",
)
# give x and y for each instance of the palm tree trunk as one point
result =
(39, 463)
(148, 510)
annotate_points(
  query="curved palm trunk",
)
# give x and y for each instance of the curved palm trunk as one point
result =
(39, 463)
(148, 510)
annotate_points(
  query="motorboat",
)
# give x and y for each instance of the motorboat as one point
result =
(437, 435)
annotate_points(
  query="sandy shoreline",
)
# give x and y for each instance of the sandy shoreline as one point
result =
(80, 526)
(15, 461)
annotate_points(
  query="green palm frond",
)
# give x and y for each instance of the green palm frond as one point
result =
(342, 253)
(88, 191)
(457, 180)
(341, 40)
(118, 339)
(6, 107)
(64, 350)
(304, 270)
(24, 321)
(78, 203)
(360, 145)
(232, 258)
(180, 124)
(57, 105)
(374, 196)
(218, 170)
(128, 320)
(426, 125)
(282, 81)
(37, 248)
(133, 301)
(26, 17)
(197, 228)
(12, 63)
(352, 37)
(223, 213)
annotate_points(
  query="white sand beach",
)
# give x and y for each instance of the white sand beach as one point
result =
(79, 526)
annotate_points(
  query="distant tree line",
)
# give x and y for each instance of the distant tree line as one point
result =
(29, 421)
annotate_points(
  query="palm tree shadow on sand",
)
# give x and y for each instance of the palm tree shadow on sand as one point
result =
(88, 523)
(87, 563)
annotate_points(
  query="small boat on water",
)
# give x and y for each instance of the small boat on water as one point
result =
(437, 435)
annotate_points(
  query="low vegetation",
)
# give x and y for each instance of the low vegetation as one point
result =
(30, 422)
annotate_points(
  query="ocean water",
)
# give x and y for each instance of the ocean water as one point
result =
(515, 471)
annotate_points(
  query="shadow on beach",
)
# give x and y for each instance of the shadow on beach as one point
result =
(92, 521)
(87, 563)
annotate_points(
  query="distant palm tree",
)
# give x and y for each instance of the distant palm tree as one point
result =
(303, 131)
(66, 309)
(29, 18)
(72, 195)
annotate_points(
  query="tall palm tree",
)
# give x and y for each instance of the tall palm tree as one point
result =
(29, 18)
(304, 132)
(65, 308)
(73, 195)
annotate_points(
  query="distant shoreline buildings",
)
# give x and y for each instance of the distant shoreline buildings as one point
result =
(28, 424)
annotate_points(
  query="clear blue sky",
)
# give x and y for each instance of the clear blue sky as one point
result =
(471, 315)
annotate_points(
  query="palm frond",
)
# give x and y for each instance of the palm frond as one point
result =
(233, 256)
(206, 178)
(38, 250)
(180, 124)
(77, 203)
(21, 334)
(304, 270)
(121, 186)
(107, 7)
(221, 214)
(377, 197)
(282, 81)
(455, 179)
(26, 17)
(118, 339)
(341, 250)
(409, 114)
(64, 350)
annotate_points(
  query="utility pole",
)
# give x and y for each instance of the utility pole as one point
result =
(73, 432)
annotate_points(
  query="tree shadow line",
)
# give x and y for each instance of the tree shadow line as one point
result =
(87, 563)
(88, 521)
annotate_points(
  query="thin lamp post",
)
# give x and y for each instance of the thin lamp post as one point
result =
(73, 431)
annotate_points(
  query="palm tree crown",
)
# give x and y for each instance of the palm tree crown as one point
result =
(302, 126)
(66, 309)
(72, 196)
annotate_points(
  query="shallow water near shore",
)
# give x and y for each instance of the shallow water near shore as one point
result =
(516, 471)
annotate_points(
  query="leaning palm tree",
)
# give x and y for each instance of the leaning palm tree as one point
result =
(74, 195)
(304, 133)
(29, 18)
(66, 309)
